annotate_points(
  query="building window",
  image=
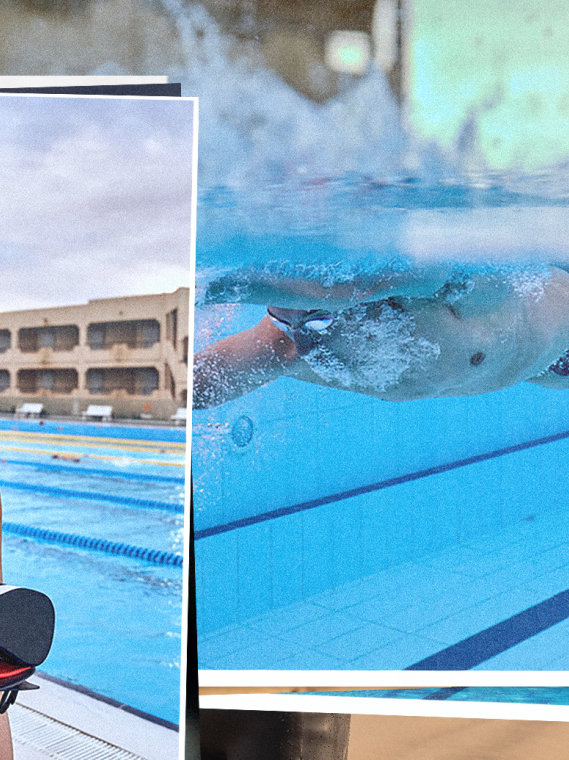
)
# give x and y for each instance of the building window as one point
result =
(134, 381)
(59, 338)
(137, 333)
(47, 379)
(4, 380)
(95, 381)
(57, 381)
(5, 340)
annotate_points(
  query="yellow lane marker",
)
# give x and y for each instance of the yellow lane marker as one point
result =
(24, 435)
(95, 444)
(79, 455)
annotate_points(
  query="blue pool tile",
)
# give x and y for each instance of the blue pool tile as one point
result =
(216, 647)
(287, 619)
(287, 560)
(345, 548)
(456, 559)
(255, 570)
(348, 595)
(511, 536)
(479, 617)
(397, 655)
(537, 653)
(310, 660)
(550, 583)
(482, 566)
(377, 609)
(399, 524)
(219, 590)
(374, 555)
(478, 488)
(260, 655)
(321, 630)
(199, 581)
(513, 576)
(356, 643)
(317, 539)
(434, 607)
(435, 513)
(207, 491)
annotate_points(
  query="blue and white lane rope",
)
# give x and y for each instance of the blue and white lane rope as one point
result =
(153, 556)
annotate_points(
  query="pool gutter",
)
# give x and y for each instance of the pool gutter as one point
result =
(95, 722)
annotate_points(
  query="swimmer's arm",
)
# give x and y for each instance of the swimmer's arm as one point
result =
(306, 292)
(240, 363)
(550, 380)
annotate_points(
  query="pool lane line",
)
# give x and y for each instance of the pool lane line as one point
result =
(79, 455)
(74, 470)
(92, 445)
(151, 444)
(244, 522)
(153, 556)
(481, 647)
(67, 493)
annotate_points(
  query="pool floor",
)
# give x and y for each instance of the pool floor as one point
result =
(397, 618)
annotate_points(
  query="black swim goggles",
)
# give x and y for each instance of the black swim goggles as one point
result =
(291, 320)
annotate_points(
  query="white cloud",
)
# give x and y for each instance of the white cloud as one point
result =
(95, 198)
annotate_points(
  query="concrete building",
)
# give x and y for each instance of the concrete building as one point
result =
(130, 353)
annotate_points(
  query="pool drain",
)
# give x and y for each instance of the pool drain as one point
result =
(242, 431)
(59, 741)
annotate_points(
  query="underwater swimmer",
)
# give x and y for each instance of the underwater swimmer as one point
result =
(471, 335)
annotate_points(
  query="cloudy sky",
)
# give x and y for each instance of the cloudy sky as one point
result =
(95, 198)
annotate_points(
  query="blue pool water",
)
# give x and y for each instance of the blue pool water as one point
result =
(338, 531)
(357, 533)
(537, 695)
(118, 629)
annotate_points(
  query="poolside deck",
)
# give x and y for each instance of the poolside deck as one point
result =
(62, 723)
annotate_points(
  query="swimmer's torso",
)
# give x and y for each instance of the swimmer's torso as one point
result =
(496, 333)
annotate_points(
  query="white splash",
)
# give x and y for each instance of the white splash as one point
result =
(371, 347)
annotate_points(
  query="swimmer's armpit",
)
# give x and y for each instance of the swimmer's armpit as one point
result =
(316, 287)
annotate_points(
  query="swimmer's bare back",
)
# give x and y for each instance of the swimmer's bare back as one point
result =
(496, 333)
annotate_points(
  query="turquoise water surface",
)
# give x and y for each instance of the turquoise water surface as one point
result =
(118, 629)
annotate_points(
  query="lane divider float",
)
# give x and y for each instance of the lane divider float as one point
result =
(152, 556)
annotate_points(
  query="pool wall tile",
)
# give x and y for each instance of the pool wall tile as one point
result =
(346, 541)
(288, 560)
(308, 553)
(362, 440)
(199, 550)
(318, 570)
(255, 570)
(219, 586)
(373, 544)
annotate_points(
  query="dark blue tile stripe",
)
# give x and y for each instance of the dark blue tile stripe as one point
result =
(447, 693)
(500, 637)
(321, 501)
